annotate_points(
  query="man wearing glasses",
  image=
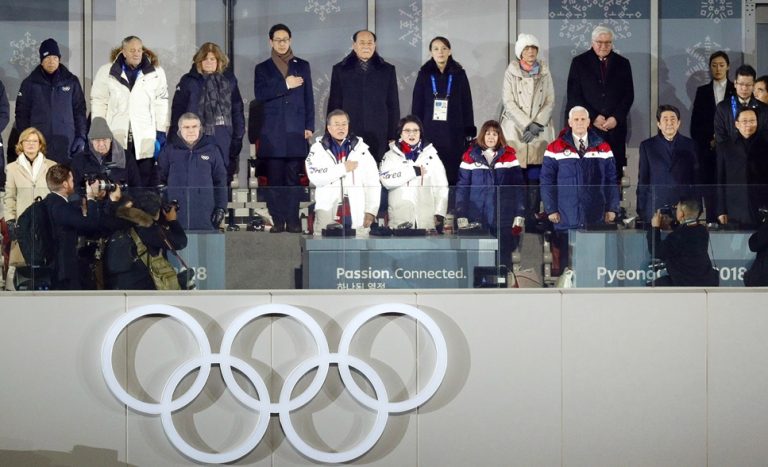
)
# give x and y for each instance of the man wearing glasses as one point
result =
(600, 80)
(283, 87)
(725, 115)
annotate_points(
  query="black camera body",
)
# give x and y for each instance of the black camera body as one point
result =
(667, 210)
(105, 183)
(763, 213)
(174, 203)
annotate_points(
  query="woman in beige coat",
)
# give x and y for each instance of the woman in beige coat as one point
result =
(529, 98)
(25, 180)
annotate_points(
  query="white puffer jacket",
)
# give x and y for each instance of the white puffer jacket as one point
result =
(332, 181)
(528, 99)
(414, 198)
(144, 109)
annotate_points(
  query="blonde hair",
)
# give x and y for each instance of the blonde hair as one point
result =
(202, 53)
(24, 134)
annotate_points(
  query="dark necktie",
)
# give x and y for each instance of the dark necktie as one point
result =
(582, 148)
(604, 68)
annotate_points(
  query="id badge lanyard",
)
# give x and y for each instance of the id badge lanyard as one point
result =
(440, 108)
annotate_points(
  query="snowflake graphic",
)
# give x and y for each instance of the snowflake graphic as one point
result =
(404, 82)
(579, 32)
(410, 22)
(697, 60)
(322, 10)
(25, 53)
(577, 28)
(716, 10)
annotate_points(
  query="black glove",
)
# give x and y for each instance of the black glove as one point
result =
(217, 217)
(439, 223)
(234, 155)
(78, 145)
(11, 229)
(535, 128)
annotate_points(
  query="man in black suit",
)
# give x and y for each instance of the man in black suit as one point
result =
(667, 170)
(601, 81)
(742, 173)
(703, 126)
(725, 113)
(68, 221)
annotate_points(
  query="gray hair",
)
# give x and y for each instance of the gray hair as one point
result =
(128, 39)
(601, 30)
(577, 108)
(188, 116)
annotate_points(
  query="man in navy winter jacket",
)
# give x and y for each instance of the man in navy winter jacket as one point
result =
(578, 180)
(51, 100)
(194, 171)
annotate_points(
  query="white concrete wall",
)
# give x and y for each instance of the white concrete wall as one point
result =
(576, 378)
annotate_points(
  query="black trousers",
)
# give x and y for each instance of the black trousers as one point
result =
(617, 139)
(284, 191)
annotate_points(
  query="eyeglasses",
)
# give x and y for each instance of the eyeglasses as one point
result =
(282, 41)
(743, 84)
(747, 122)
(339, 125)
(604, 43)
(36, 141)
(411, 132)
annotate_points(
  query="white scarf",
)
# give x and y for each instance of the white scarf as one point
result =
(32, 169)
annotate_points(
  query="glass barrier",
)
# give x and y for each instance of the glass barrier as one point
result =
(429, 237)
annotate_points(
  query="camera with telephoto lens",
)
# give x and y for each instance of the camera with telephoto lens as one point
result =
(105, 184)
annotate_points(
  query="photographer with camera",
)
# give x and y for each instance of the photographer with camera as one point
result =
(69, 221)
(105, 159)
(757, 275)
(684, 250)
(145, 229)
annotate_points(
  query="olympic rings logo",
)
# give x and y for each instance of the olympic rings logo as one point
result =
(265, 406)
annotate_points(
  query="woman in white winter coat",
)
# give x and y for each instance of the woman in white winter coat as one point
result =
(415, 177)
(529, 98)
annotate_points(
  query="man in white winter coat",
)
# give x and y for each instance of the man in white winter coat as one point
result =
(131, 94)
(345, 177)
(415, 177)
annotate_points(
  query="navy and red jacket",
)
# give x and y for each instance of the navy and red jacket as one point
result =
(481, 185)
(581, 188)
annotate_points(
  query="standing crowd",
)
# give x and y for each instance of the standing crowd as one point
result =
(104, 173)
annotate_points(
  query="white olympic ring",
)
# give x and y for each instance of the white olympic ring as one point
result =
(265, 407)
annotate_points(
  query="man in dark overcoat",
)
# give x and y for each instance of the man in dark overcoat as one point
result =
(600, 80)
(365, 86)
(283, 88)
